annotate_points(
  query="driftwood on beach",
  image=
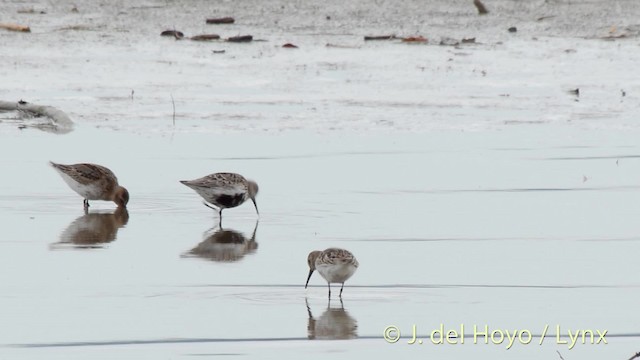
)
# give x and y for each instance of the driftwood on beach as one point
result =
(482, 10)
(205, 37)
(59, 122)
(15, 27)
(379, 37)
(241, 38)
(223, 20)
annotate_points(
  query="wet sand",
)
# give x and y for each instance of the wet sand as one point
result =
(471, 186)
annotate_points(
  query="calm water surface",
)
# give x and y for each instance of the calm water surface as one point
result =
(452, 228)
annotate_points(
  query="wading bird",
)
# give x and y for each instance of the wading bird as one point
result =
(93, 182)
(335, 266)
(224, 190)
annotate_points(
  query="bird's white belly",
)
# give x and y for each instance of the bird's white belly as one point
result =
(336, 273)
(90, 192)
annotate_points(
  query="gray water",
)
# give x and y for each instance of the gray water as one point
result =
(471, 186)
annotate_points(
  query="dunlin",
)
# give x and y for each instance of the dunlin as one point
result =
(224, 190)
(93, 182)
(335, 266)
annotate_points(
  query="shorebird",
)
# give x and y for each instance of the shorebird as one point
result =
(224, 190)
(93, 182)
(335, 265)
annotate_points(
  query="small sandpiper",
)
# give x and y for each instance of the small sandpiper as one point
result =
(93, 182)
(224, 190)
(335, 265)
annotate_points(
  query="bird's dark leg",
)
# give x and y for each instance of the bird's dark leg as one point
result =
(85, 202)
(219, 212)
(341, 291)
(329, 286)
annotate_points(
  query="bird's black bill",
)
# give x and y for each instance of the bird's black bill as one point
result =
(256, 206)
(308, 277)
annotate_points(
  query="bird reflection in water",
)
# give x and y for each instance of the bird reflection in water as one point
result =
(93, 229)
(224, 245)
(334, 324)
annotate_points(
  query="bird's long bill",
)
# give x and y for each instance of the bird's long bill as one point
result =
(308, 277)
(256, 206)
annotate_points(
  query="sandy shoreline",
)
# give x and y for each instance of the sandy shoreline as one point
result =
(116, 71)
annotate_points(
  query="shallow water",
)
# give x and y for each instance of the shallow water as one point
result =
(471, 198)
(448, 227)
